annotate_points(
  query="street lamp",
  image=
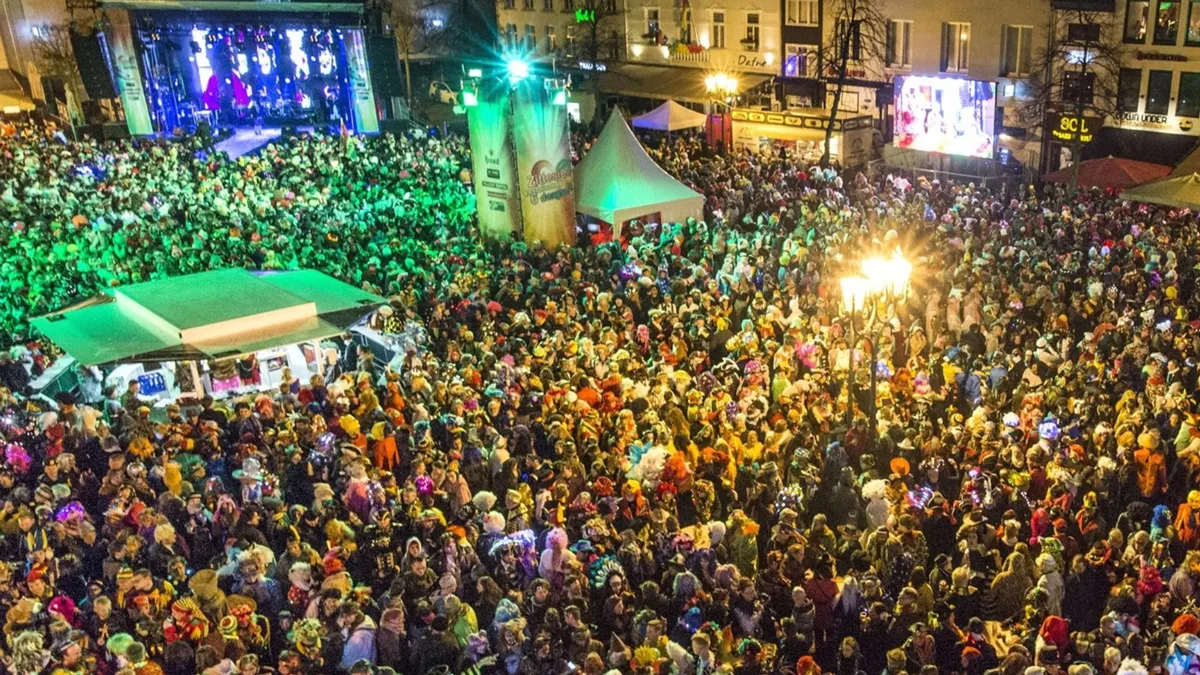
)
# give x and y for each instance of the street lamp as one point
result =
(721, 87)
(882, 279)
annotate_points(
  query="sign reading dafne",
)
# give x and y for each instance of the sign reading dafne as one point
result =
(585, 15)
(1069, 127)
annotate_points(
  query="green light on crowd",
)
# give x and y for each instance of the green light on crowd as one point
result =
(459, 110)
(469, 99)
(560, 97)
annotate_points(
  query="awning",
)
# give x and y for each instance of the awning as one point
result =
(12, 97)
(666, 82)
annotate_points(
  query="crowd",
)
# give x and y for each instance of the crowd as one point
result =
(641, 457)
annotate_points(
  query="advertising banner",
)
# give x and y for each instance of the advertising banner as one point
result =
(946, 114)
(129, 76)
(546, 176)
(366, 120)
(496, 200)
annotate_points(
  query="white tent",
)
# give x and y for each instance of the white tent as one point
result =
(670, 116)
(616, 181)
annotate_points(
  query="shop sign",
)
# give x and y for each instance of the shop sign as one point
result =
(752, 61)
(1159, 56)
(1141, 120)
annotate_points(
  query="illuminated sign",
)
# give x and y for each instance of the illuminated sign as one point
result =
(1068, 127)
(1141, 120)
(585, 16)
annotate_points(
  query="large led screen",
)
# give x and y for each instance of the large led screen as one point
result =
(944, 114)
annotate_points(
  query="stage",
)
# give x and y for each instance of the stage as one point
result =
(238, 66)
(247, 141)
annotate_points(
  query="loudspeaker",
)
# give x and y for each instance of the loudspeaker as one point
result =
(93, 65)
(115, 130)
(386, 77)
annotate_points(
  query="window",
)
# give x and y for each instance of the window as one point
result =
(752, 32)
(1129, 84)
(1137, 17)
(802, 12)
(1017, 50)
(568, 5)
(1158, 94)
(1193, 30)
(1166, 22)
(510, 36)
(569, 39)
(1083, 33)
(551, 44)
(527, 4)
(800, 61)
(1188, 104)
(851, 33)
(530, 37)
(956, 47)
(1078, 88)
(717, 38)
(899, 44)
(547, 5)
(510, 4)
(653, 28)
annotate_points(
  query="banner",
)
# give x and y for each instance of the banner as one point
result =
(129, 76)
(366, 119)
(491, 156)
(543, 145)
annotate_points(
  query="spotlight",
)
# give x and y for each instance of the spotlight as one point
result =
(517, 70)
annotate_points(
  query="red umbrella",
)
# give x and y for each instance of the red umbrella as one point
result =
(1111, 172)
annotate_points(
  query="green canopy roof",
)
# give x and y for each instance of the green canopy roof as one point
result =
(211, 315)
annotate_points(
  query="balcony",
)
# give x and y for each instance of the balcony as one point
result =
(689, 57)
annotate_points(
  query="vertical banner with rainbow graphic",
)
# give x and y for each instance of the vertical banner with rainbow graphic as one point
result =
(129, 77)
(492, 165)
(547, 180)
(366, 118)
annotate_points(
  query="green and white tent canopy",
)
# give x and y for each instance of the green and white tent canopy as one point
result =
(207, 316)
(617, 181)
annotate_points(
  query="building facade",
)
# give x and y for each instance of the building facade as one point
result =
(730, 36)
(968, 39)
(1156, 114)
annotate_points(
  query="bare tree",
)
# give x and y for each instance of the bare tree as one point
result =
(602, 22)
(1076, 73)
(859, 36)
(419, 27)
(54, 56)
